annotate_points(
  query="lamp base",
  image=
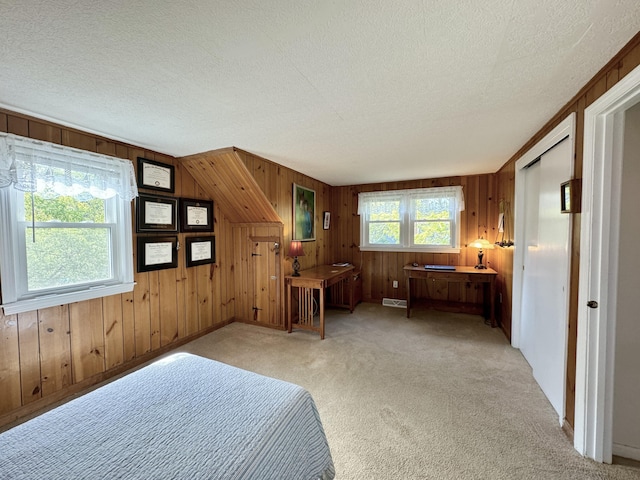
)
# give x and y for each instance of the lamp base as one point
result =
(480, 267)
(296, 267)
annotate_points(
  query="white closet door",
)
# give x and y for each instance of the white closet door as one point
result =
(546, 273)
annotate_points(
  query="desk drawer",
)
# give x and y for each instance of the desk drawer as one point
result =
(458, 277)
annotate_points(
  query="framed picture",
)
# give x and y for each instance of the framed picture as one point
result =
(200, 250)
(327, 220)
(196, 215)
(570, 195)
(304, 207)
(157, 253)
(155, 213)
(155, 175)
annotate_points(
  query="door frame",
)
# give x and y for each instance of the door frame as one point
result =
(599, 232)
(567, 128)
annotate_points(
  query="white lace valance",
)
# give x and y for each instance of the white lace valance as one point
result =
(365, 199)
(53, 170)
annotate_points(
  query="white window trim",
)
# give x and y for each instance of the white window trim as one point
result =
(12, 267)
(406, 221)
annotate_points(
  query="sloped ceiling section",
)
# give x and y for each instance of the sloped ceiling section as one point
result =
(224, 177)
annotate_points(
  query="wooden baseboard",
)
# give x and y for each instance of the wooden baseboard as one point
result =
(259, 324)
(568, 430)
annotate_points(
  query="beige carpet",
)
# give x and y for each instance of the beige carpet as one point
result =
(437, 396)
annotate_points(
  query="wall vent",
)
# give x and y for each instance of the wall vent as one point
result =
(394, 302)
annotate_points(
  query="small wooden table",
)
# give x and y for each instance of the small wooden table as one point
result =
(460, 274)
(318, 278)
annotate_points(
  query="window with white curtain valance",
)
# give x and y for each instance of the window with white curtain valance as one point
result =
(417, 220)
(66, 224)
(53, 170)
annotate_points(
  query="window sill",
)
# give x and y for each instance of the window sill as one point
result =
(46, 301)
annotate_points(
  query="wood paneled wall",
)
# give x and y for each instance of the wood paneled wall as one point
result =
(49, 354)
(276, 181)
(380, 269)
(623, 63)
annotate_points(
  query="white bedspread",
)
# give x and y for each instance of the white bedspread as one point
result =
(181, 417)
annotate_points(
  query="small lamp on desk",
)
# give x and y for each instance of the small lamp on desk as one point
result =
(295, 251)
(481, 244)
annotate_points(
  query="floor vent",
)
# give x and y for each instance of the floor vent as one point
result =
(394, 302)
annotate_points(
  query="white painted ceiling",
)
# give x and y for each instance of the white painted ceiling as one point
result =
(347, 91)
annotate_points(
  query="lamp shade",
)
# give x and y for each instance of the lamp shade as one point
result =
(482, 244)
(295, 249)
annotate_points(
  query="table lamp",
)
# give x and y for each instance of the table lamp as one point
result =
(295, 251)
(481, 244)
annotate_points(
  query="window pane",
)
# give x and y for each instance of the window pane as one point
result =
(387, 210)
(433, 208)
(432, 233)
(384, 233)
(67, 256)
(64, 209)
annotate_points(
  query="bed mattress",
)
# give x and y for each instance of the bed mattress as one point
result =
(181, 417)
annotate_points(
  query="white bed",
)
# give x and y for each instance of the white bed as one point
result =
(181, 417)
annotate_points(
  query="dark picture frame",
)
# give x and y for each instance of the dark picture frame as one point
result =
(157, 253)
(196, 215)
(570, 196)
(156, 213)
(326, 221)
(200, 250)
(154, 175)
(304, 207)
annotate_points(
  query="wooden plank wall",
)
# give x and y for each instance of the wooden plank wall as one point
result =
(51, 353)
(380, 269)
(276, 181)
(624, 62)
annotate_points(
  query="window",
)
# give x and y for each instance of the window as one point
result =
(66, 217)
(419, 220)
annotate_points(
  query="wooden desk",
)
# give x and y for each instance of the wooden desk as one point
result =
(318, 278)
(461, 274)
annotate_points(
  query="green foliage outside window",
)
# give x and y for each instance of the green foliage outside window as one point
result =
(66, 255)
(384, 226)
(64, 209)
(432, 233)
(432, 230)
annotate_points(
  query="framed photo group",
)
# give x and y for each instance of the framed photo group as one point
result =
(156, 213)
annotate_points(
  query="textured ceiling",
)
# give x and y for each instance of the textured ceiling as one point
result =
(347, 92)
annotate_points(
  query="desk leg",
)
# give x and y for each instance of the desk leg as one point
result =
(289, 318)
(351, 295)
(408, 297)
(492, 299)
(322, 292)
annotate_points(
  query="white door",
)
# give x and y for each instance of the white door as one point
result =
(604, 138)
(546, 273)
(528, 334)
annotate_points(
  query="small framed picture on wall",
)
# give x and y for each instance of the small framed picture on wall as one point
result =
(155, 175)
(327, 221)
(157, 253)
(200, 250)
(196, 215)
(156, 213)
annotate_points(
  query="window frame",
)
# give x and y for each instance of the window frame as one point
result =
(16, 297)
(117, 194)
(408, 218)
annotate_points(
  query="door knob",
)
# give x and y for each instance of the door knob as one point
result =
(592, 304)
